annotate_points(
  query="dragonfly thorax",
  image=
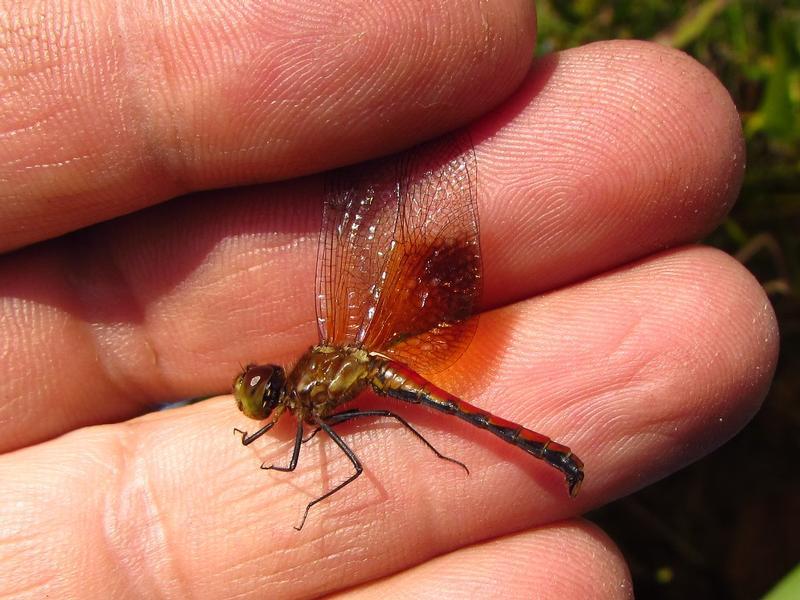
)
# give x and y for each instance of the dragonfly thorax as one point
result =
(326, 377)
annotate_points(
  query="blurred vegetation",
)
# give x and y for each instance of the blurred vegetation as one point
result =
(729, 526)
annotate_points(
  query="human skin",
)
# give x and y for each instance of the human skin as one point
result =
(603, 325)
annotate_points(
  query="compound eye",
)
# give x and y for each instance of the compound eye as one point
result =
(257, 390)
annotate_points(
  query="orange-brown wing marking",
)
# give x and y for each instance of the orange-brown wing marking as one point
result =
(434, 274)
(407, 293)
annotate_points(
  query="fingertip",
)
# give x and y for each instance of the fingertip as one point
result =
(606, 153)
(571, 559)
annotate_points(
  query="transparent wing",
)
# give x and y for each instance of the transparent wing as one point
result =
(358, 222)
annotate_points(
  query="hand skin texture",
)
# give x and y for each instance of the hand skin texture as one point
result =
(603, 326)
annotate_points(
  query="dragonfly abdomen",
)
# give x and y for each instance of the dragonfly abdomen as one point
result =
(399, 381)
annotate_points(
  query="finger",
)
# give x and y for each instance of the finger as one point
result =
(606, 153)
(141, 311)
(565, 560)
(639, 371)
(110, 110)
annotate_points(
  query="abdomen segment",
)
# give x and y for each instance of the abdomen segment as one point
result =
(399, 381)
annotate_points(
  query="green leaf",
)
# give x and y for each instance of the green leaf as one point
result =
(787, 588)
(695, 23)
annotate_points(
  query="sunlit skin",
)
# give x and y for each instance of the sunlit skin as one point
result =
(399, 272)
(604, 163)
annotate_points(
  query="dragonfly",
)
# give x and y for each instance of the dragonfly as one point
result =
(398, 277)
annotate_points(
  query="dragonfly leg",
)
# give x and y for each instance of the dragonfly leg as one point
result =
(354, 414)
(318, 429)
(353, 459)
(249, 439)
(298, 440)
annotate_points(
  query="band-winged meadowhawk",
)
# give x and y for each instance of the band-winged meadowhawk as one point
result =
(398, 277)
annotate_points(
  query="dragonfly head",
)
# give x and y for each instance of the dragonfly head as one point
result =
(258, 390)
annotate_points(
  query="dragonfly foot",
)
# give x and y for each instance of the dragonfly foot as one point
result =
(311, 435)
(453, 460)
(305, 516)
(291, 467)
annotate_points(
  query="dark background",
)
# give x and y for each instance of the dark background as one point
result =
(729, 525)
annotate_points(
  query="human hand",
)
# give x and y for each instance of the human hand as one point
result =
(603, 328)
